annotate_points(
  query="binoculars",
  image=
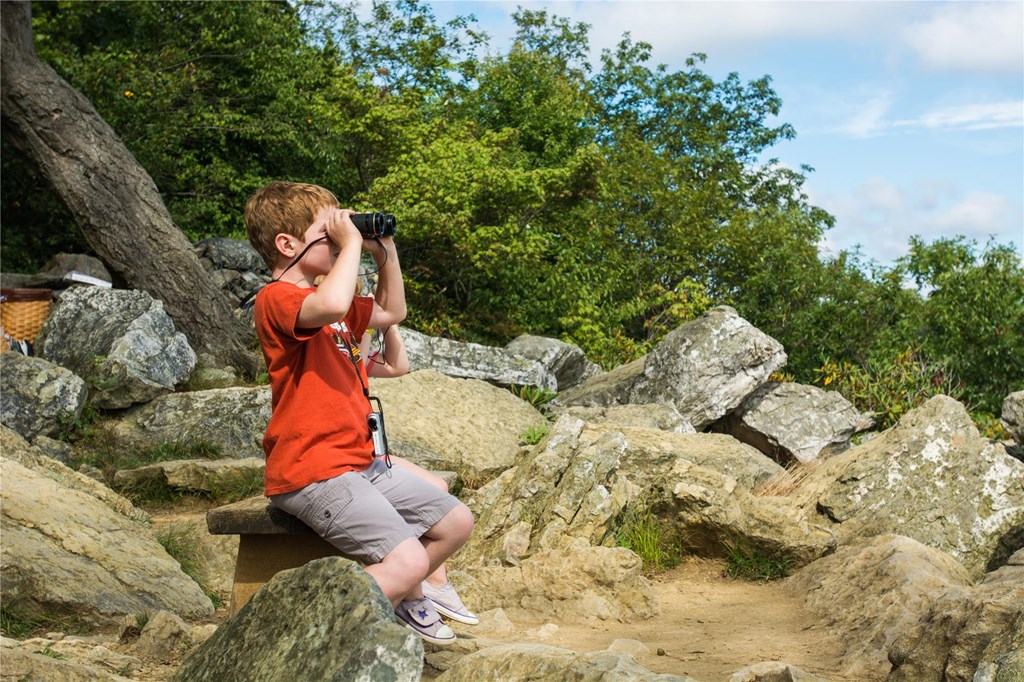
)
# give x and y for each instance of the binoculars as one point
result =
(374, 225)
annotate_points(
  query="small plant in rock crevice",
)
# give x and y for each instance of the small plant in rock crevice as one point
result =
(658, 544)
(534, 434)
(749, 563)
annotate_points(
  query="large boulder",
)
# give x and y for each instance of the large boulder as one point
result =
(582, 480)
(232, 418)
(449, 424)
(970, 633)
(931, 477)
(325, 621)
(218, 478)
(869, 593)
(67, 552)
(122, 341)
(790, 421)
(234, 265)
(704, 368)
(474, 361)
(564, 360)
(38, 398)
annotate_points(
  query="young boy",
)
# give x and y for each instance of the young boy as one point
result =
(385, 356)
(320, 465)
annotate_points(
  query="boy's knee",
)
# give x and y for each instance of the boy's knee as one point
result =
(462, 520)
(411, 559)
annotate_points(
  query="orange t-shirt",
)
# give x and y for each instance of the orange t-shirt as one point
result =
(317, 427)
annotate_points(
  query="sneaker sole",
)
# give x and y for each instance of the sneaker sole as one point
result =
(430, 638)
(454, 615)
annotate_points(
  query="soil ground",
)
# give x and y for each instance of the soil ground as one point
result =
(710, 625)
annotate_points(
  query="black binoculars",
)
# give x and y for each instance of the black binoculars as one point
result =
(374, 225)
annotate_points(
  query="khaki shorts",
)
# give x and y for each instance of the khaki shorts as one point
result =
(366, 514)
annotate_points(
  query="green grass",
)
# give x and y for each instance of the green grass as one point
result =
(20, 621)
(654, 540)
(182, 543)
(748, 563)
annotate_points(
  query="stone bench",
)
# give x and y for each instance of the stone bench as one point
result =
(269, 540)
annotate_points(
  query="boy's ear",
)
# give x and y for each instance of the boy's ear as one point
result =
(283, 244)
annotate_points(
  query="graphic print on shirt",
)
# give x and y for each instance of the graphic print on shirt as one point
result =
(341, 338)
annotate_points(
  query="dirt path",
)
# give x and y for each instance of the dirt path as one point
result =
(709, 627)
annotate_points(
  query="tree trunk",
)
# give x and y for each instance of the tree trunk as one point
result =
(113, 200)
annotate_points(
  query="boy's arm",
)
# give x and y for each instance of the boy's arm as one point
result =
(333, 296)
(395, 361)
(389, 299)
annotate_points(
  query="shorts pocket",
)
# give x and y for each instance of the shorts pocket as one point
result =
(327, 504)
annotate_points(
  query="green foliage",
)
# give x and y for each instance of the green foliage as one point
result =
(746, 562)
(535, 395)
(20, 619)
(889, 387)
(603, 205)
(654, 540)
(533, 435)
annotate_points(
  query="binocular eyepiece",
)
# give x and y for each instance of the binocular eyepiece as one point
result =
(374, 225)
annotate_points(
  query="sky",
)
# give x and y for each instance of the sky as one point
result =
(910, 113)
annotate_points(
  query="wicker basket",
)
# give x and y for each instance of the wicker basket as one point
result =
(23, 312)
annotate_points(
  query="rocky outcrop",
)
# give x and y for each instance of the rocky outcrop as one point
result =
(705, 369)
(325, 621)
(38, 398)
(65, 551)
(969, 633)
(565, 361)
(869, 593)
(1013, 416)
(218, 478)
(931, 477)
(123, 341)
(473, 361)
(791, 421)
(233, 419)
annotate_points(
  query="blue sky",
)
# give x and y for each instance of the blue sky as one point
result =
(911, 113)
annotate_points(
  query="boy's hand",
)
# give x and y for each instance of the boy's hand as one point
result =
(340, 228)
(379, 247)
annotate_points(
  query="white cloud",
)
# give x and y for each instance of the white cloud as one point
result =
(881, 216)
(970, 36)
(970, 117)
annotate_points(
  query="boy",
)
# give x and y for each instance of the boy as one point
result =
(321, 466)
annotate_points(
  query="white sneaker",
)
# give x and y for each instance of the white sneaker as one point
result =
(447, 602)
(419, 615)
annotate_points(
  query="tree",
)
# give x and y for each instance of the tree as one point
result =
(111, 197)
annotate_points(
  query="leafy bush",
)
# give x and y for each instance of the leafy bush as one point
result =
(890, 387)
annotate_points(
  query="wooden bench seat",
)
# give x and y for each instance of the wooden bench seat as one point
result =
(269, 540)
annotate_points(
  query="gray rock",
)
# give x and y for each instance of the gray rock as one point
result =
(566, 361)
(931, 477)
(232, 418)
(474, 361)
(52, 275)
(463, 425)
(579, 584)
(969, 633)
(121, 341)
(164, 636)
(65, 551)
(542, 663)
(1013, 416)
(661, 417)
(869, 593)
(38, 397)
(324, 621)
(217, 477)
(791, 421)
(704, 368)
